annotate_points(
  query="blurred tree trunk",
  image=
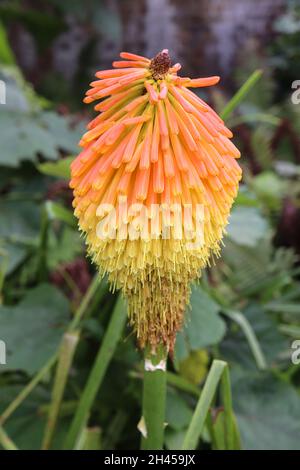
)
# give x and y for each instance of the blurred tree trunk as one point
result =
(212, 32)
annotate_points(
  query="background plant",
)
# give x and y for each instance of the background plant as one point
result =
(55, 317)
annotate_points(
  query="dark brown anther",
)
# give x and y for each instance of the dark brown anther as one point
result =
(160, 64)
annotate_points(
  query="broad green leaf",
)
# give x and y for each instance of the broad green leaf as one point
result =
(246, 197)
(21, 96)
(59, 169)
(56, 211)
(235, 347)
(204, 327)
(19, 230)
(25, 135)
(174, 439)
(269, 189)
(19, 220)
(178, 413)
(267, 411)
(65, 134)
(11, 256)
(28, 131)
(257, 271)
(33, 328)
(247, 226)
(64, 247)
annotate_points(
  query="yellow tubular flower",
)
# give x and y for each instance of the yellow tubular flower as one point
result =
(153, 187)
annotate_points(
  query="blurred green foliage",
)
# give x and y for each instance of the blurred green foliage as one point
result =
(245, 310)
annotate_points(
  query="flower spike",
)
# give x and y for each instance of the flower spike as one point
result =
(153, 187)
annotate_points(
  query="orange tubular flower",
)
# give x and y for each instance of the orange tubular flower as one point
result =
(153, 187)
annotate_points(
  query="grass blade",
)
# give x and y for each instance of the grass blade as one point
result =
(195, 428)
(90, 439)
(6, 442)
(240, 94)
(97, 373)
(254, 345)
(66, 354)
(231, 429)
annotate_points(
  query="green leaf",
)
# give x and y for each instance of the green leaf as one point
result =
(59, 169)
(65, 135)
(23, 138)
(197, 422)
(56, 211)
(269, 189)
(27, 131)
(204, 327)
(247, 226)
(64, 248)
(21, 96)
(11, 256)
(174, 439)
(261, 146)
(289, 308)
(33, 329)
(246, 197)
(267, 411)
(178, 413)
(258, 271)
(235, 347)
(19, 220)
(19, 230)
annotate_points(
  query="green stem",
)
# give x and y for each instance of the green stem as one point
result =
(90, 293)
(6, 442)
(154, 401)
(89, 439)
(241, 93)
(228, 412)
(65, 359)
(97, 373)
(195, 428)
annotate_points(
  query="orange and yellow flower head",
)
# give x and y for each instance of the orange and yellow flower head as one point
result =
(153, 187)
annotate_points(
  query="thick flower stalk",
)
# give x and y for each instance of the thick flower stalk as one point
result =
(153, 187)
